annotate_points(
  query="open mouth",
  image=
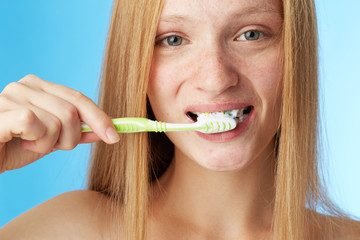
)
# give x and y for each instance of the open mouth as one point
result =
(238, 114)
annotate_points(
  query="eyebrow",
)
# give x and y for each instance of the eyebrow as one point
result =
(175, 18)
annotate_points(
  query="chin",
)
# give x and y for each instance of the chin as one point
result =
(223, 163)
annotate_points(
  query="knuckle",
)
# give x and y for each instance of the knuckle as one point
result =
(68, 146)
(54, 126)
(13, 87)
(70, 114)
(3, 101)
(28, 78)
(27, 117)
(32, 81)
(78, 96)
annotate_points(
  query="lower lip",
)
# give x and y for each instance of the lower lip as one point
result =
(229, 135)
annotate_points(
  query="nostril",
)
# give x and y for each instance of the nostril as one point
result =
(192, 116)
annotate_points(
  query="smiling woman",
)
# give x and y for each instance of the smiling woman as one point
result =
(215, 70)
(174, 61)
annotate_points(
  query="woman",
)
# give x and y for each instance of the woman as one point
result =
(258, 181)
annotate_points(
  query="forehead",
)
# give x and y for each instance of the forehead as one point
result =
(218, 8)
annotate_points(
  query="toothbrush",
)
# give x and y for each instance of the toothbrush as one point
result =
(210, 124)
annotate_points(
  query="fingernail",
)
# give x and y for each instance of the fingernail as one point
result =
(112, 135)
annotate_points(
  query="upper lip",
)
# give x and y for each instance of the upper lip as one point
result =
(215, 107)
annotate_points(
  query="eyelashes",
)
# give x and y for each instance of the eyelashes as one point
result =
(173, 41)
(177, 41)
(251, 35)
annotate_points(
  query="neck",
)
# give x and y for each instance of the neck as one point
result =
(227, 204)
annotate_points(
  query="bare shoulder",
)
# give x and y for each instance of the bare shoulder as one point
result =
(335, 228)
(72, 215)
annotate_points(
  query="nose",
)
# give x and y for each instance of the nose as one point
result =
(215, 73)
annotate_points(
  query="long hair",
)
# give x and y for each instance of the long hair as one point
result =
(300, 190)
(125, 171)
(120, 171)
(296, 168)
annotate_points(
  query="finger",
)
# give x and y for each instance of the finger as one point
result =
(16, 157)
(47, 142)
(88, 111)
(7, 104)
(23, 122)
(89, 137)
(67, 114)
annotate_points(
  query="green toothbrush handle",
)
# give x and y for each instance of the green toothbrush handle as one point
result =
(132, 125)
(135, 124)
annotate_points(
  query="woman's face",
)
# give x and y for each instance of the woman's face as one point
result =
(217, 55)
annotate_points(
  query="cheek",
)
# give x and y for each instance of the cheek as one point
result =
(169, 72)
(162, 89)
(272, 92)
(269, 75)
(158, 83)
(166, 74)
(266, 79)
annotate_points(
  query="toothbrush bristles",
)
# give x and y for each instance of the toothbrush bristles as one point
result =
(217, 124)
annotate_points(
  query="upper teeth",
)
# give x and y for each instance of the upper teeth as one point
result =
(234, 113)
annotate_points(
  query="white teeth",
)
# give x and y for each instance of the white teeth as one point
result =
(238, 114)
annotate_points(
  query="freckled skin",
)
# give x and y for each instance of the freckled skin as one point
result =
(213, 67)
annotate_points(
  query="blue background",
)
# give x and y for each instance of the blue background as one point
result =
(63, 42)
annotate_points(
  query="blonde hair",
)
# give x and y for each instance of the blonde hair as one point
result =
(124, 171)
(121, 171)
(296, 168)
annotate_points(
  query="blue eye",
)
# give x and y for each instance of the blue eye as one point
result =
(252, 35)
(173, 41)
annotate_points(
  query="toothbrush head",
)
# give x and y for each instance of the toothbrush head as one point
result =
(216, 124)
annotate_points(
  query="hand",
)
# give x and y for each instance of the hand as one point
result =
(47, 117)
